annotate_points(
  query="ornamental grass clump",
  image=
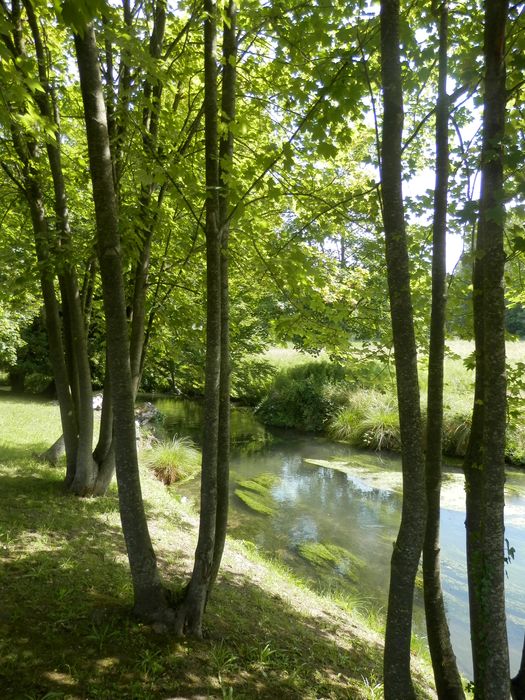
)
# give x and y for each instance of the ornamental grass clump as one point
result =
(370, 420)
(173, 462)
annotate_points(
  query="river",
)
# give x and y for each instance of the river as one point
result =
(326, 493)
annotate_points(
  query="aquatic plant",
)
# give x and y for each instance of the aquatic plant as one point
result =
(331, 556)
(255, 493)
(255, 502)
(260, 484)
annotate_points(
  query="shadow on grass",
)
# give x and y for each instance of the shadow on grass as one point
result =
(22, 453)
(66, 631)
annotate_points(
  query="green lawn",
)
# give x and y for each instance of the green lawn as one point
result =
(65, 599)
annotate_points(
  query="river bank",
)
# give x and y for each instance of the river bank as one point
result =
(330, 513)
(65, 599)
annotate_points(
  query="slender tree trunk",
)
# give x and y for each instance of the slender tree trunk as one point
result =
(86, 295)
(485, 465)
(446, 674)
(53, 328)
(74, 326)
(149, 594)
(192, 609)
(407, 549)
(229, 75)
(104, 453)
(150, 122)
(26, 150)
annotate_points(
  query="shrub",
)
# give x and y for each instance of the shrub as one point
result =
(304, 396)
(174, 461)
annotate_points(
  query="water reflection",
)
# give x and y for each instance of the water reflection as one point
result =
(358, 510)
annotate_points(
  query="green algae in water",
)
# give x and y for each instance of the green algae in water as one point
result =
(260, 484)
(254, 502)
(255, 493)
(331, 557)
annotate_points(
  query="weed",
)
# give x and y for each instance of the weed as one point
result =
(221, 657)
(151, 663)
(266, 653)
(374, 688)
(101, 633)
(303, 396)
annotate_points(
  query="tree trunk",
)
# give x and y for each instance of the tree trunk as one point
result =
(26, 150)
(54, 332)
(74, 327)
(229, 53)
(150, 599)
(104, 453)
(150, 121)
(407, 549)
(192, 608)
(485, 465)
(446, 674)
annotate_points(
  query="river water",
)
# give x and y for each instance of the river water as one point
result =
(325, 492)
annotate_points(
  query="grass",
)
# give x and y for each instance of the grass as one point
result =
(369, 419)
(174, 461)
(65, 591)
(358, 405)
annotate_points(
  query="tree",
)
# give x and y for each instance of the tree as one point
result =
(407, 548)
(485, 459)
(65, 325)
(446, 674)
(149, 594)
(215, 453)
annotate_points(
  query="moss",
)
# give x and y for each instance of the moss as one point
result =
(331, 557)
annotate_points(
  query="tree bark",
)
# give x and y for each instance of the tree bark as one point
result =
(150, 120)
(104, 453)
(150, 599)
(485, 466)
(192, 609)
(446, 674)
(53, 328)
(73, 321)
(229, 75)
(407, 548)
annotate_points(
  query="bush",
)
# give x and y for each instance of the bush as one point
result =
(369, 420)
(304, 396)
(174, 461)
(252, 379)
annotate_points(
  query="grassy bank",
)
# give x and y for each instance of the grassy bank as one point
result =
(65, 598)
(356, 402)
